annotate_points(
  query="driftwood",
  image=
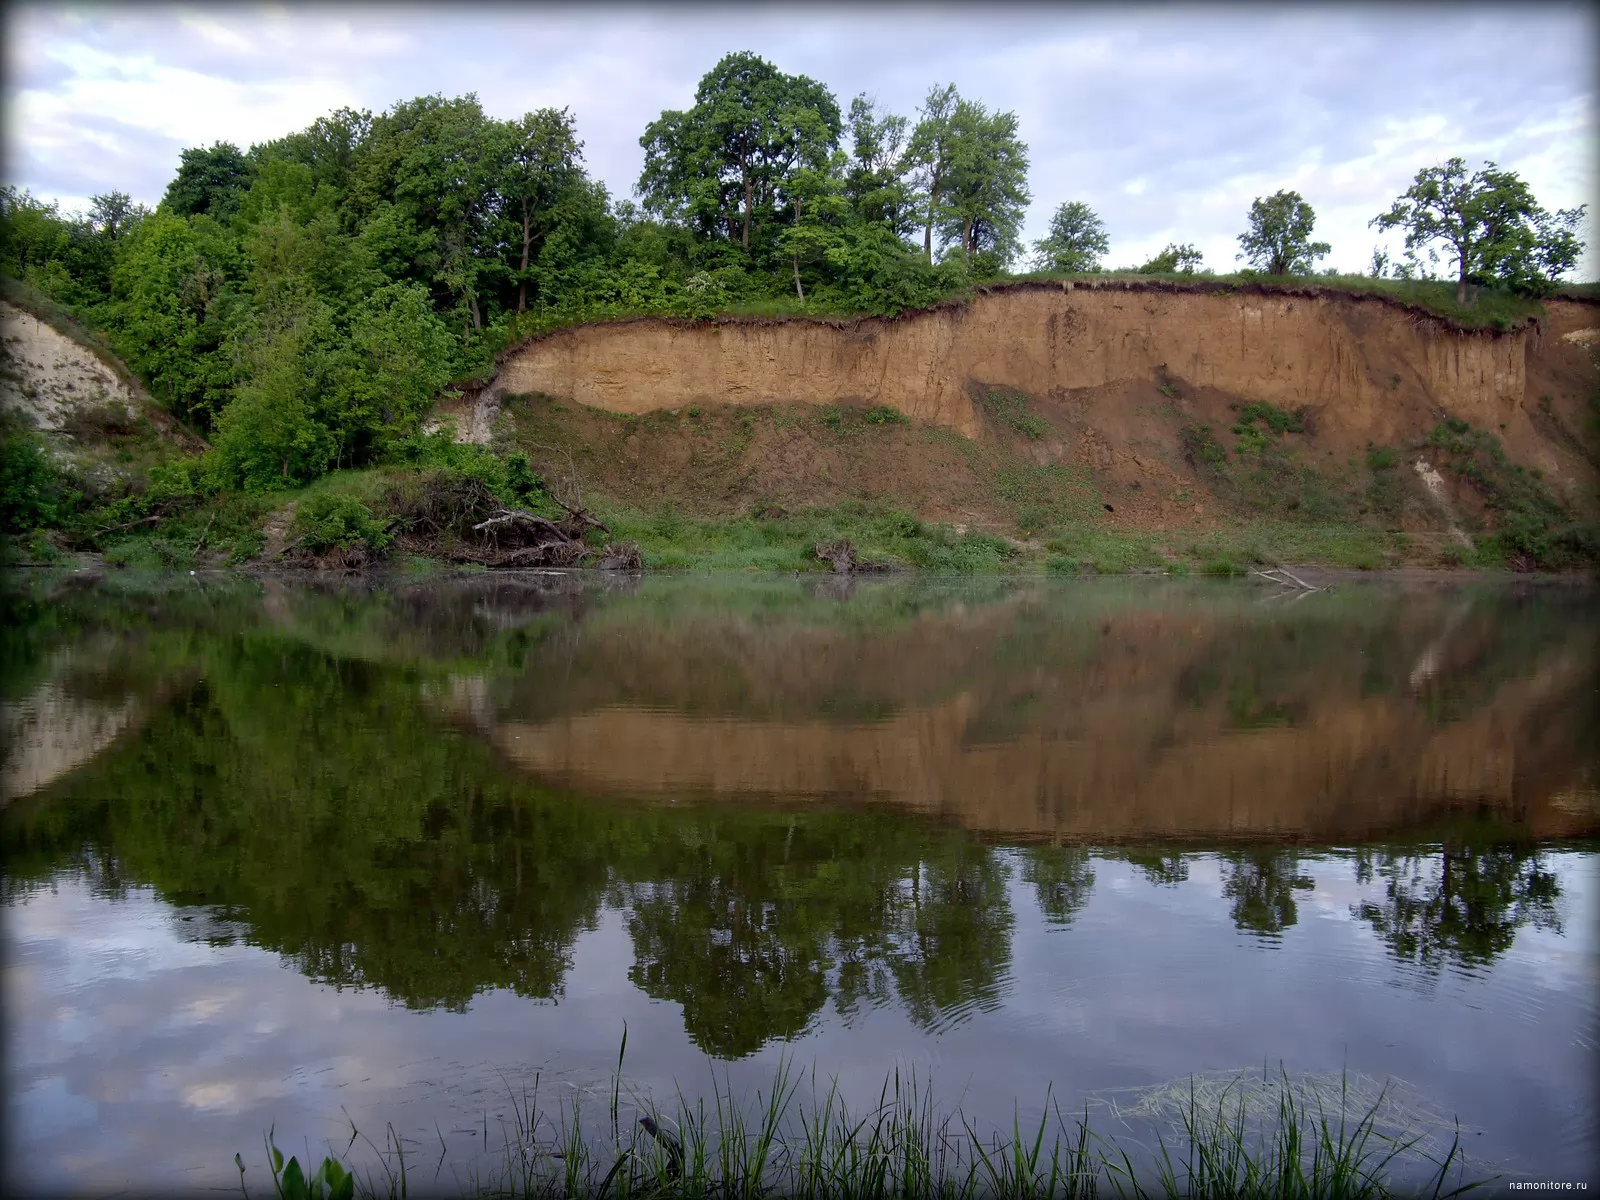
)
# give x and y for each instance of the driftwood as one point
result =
(1289, 579)
(841, 555)
(622, 556)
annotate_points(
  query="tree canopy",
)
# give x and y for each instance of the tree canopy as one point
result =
(1076, 241)
(1278, 241)
(1490, 226)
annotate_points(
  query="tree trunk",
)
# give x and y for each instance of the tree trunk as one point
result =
(749, 197)
(933, 202)
(798, 290)
(966, 237)
(527, 243)
(1461, 290)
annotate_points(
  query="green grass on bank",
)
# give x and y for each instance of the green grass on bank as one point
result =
(1251, 1136)
(1486, 308)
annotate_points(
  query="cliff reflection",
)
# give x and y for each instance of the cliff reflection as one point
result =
(361, 804)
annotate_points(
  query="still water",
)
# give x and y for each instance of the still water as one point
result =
(385, 852)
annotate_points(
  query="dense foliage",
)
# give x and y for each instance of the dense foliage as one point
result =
(301, 303)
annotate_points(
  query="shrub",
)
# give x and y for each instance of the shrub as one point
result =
(882, 414)
(33, 494)
(336, 521)
(1381, 458)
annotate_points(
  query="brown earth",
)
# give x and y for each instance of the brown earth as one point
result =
(1114, 372)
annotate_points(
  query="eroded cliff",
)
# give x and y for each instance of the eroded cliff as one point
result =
(1369, 370)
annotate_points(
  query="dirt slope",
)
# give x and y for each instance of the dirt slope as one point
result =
(1365, 369)
(51, 378)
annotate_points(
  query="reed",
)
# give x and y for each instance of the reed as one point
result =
(1308, 1144)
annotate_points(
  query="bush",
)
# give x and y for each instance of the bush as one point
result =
(335, 521)
(33, 494)
(1381, 458)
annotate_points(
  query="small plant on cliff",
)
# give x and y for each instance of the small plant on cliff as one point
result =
(1536, 528)
(1011, 409)
(1200, 447)
(882, 414)
(1381, 458)
(1260, 422)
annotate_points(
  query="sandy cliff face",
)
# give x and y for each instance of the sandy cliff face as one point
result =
(1369, 370)
(48, 376)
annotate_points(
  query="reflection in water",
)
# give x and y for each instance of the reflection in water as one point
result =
(1260, 886)
(1463, 904)
(334, 779)
(789, 811)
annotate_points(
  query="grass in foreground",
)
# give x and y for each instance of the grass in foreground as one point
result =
(1300, 1142)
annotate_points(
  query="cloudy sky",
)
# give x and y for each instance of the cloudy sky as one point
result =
(1168, 120)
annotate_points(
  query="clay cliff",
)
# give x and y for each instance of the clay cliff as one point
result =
(1365, 368)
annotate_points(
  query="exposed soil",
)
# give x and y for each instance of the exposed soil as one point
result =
(48, 376)
(1066, 401)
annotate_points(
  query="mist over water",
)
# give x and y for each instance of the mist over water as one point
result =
(372, 851)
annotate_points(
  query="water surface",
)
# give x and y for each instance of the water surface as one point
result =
(376, 851)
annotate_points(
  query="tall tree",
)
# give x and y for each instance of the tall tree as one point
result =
(209, 181)
(875, 182)
(1076, 241)
(1279, 238)
(435, 161)
(986, 190)
(723, 163)
(930, 152)
(541, 159)
(1489, 222)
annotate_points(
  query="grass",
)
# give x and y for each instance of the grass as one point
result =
(1485, 308)
(1262, 1136)
(776, 541)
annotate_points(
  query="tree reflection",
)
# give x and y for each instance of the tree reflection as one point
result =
(1462, 905)
(1261, 884)
(1062, 878)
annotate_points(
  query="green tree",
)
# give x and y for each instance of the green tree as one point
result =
(875, 181)
(1490, 225)
(931, 153)
(724, 164)
(271, 436)
(541, 157)
(1174, 259)
(435, 162)
(1076, 241)
(209, 182)
(394, 358)
(985, 192)
(1279, 238)
(175, 299)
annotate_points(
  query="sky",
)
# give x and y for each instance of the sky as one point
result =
(1168, 120)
